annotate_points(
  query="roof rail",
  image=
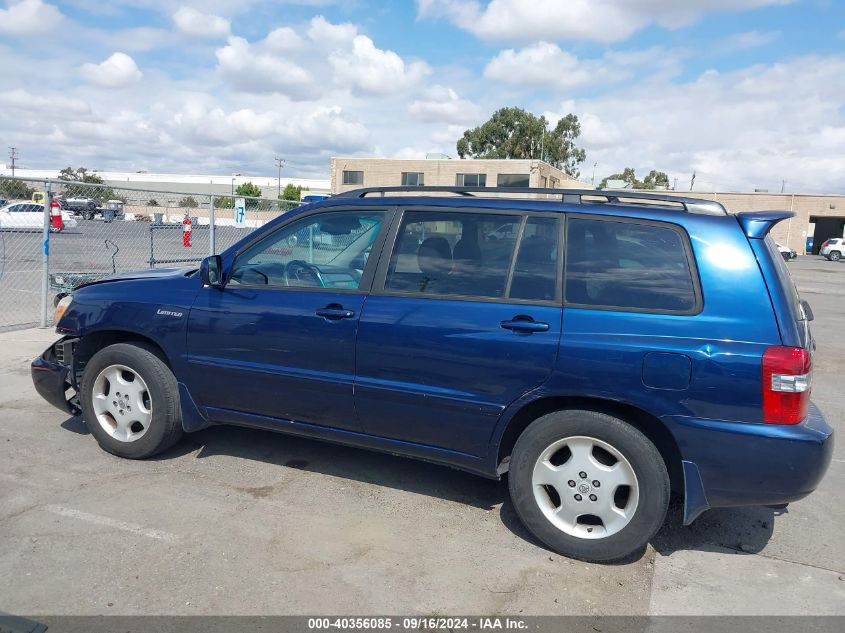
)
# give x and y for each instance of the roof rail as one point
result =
(571, 196)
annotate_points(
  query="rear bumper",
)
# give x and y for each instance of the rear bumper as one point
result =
(51, 381)
(738, 464)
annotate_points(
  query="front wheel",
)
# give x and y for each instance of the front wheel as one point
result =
(588, 485)
(834, 256)
(130, 401)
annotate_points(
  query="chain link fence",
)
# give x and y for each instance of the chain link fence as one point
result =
(56, 235)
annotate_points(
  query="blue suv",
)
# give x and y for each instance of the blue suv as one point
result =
(602, 349)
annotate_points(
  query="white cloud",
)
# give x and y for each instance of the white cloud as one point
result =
(54, 104)
(249, 68)
(328, 35)
(283, 39)
(29, 17)
(117, 71)
(443, 105)
(197, 24)
(554, 20)
(736, 130)
(546, 64)
(371, 70)
(747, 40)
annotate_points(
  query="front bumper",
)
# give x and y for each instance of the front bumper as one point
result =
(741, 464)
(51, 377)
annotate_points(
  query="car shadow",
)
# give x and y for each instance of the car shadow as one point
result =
(742, 530)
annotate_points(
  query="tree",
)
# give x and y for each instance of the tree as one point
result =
(656, 179)
(81, 176)
(653, 180)
(224, 202)
(188, 202)
(291, 192)
(249, 190)
(517, 133)
(12, 188)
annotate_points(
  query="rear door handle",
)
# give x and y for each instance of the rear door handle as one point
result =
(525, 325)
(335, 312)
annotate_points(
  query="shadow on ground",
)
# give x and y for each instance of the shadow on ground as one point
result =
(744, 530)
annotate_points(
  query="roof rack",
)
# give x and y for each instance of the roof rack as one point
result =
(571, 196)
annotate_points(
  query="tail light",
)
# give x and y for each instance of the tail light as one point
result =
(825, 243)
(787, 378)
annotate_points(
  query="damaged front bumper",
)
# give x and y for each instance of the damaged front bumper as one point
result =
(52, 375)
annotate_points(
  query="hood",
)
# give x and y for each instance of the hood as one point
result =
(153, 273)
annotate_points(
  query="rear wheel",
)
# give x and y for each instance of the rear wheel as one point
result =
(588, 485)
(130, 401)
(834, 256)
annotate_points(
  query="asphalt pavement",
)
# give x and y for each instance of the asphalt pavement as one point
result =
(238, 521)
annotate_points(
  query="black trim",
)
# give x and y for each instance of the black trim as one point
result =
(571, 196)
(698, 306)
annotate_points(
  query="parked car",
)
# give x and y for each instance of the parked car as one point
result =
(833, 248)
(84, 206)
(788, 254)
(30, 216)
(594, 354)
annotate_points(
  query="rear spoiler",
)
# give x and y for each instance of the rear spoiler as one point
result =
(757, 224)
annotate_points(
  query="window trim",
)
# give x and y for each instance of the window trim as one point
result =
(378, 285)
(698, 305)
(527, 184)
(420, 178)
(478, 176)
(368, 273)
(343, 173)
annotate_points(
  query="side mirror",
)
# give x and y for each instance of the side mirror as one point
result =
(210, 271)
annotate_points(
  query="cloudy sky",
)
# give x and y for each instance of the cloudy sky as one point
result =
(746, 93)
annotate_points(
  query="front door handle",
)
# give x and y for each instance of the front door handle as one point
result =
(524, 325)
(335, 312)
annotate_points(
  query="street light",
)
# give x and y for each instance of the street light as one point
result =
(593, 180)
(233, 183)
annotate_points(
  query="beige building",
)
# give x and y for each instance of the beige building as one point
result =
(817, 216)
(353, 173)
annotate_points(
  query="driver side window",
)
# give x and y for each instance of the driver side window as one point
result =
(326, 250)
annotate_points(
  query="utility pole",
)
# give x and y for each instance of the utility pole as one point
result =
(692, 181)
(13, 155)
(280, 162)
(593, 179)
(782, 185)
(675, 186)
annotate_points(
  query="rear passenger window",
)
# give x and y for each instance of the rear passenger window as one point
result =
(628, 266)
(465, 254)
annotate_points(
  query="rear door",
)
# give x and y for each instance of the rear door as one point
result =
(464, 318)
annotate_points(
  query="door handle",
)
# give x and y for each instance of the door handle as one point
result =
(524, 325)
(335, 312)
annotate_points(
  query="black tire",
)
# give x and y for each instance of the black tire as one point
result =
(834, 256)
(165, 427)
(641, 454)
(87, 215)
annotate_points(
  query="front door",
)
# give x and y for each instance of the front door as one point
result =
(279, 340)
(464, 318)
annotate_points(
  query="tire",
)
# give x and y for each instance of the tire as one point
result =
(87, 215)
(155, 423)
(562, 440)
(834, 256)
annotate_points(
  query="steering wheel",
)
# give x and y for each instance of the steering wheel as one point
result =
(297, 270)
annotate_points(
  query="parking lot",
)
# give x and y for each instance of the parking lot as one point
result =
(84, 248)
(238, 521)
